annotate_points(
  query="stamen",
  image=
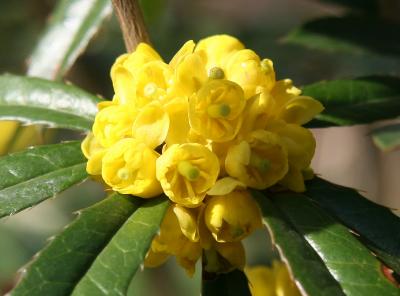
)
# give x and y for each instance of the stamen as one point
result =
(261, 164)
(216, 73)
(123, 173)
(218, 110)
(150, 89)
(189, 171)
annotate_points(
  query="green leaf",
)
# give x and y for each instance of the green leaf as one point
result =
(370, 6)
(234, 283)
(305, 265)
(30, 176)
(72, 25)
(36, 100)
(50, 118)
(356, 101)
(59, 266)
(113, 269)
(348, 34)
(374, 223)
(350, 263)
(387, 138)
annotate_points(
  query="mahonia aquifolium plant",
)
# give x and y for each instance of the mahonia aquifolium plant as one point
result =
(202, 129)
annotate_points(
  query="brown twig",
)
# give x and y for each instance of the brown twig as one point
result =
(131, 22)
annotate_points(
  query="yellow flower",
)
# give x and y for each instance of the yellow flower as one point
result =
(151, 125)
(275, 281)
(113, 124)
(179, 127)
(94, 152)
(153, 82)
(300, 145)
(217, 49)
(246, 69)
(259, 162)
(215, 112)
(178, 236)
(232, 217)
(291, 106)
(186, 172)
(129, 167)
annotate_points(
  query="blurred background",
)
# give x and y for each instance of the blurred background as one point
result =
(344, 155)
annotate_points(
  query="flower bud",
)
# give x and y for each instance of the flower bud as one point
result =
(232, 217)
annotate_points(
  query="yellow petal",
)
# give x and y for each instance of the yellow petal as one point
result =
(187, 219)
(129, 167)
(294, 180)
(232, 217)
(217, 48)
(226, 185)
(155, 259)
(186, 49)
(261, 280)
(190, 75)
(151, 125)
(124, 87)
(301, 110)
(186, 172)
(179, 121)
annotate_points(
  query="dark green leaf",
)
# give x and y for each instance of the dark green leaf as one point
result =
(113, 269)
(72, 25)
(233, 283)
(348, 34)
(30, 176)
(35, 100)
(57, 268)
(388, 137)
(356, 101)
(350, 263)
(373, 222)
(364, 5)
(305, 265)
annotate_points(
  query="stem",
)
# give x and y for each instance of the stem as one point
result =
(131, 22)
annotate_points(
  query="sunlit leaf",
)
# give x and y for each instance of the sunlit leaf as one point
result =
(35, 174)
(36, 100)
(374, 223)
(114, 267)
(72, 25)
(354, 267)
(304, 263)
(59, 266)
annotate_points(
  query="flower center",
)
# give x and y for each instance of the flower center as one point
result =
(261, 164)
(216, 73)
(189, 171)
(218, 110)
(150, 89)
(123, 173)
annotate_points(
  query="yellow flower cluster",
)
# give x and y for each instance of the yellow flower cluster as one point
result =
(201, 129)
